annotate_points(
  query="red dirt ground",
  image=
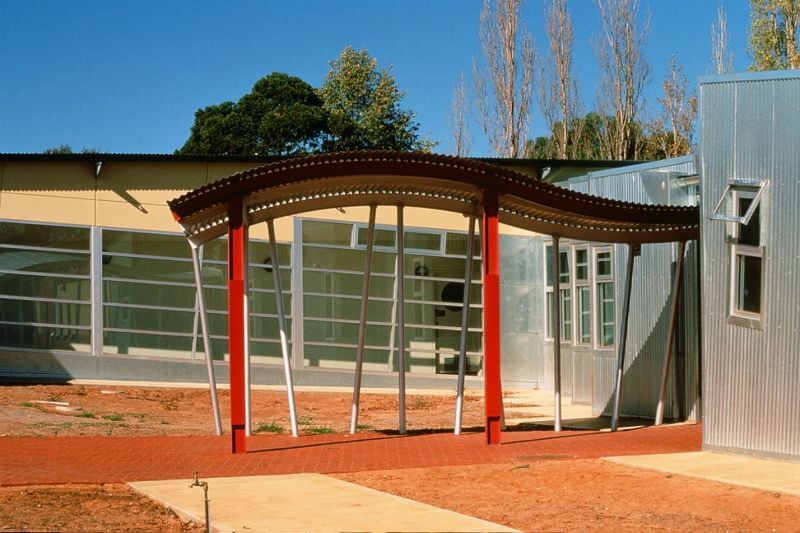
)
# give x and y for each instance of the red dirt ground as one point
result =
(530, 483)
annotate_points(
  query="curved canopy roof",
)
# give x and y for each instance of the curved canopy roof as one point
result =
(424, 180)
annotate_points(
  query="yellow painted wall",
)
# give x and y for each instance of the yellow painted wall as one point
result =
(134, 194)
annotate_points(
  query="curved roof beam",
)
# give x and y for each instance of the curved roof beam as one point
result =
(424, 180)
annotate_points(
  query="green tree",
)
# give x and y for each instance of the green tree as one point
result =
(363, 106)
(281, 116)
(60, 149)
(67, 149)
(773, 34)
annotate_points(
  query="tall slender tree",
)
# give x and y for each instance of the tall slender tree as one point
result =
(721, 54)
(504, 101)
(558, 89)
(773, 34)
(674, 127)
(624, 72)
(458, 120)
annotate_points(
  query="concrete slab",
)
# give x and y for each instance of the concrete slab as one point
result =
(763, 474)
(304, 502)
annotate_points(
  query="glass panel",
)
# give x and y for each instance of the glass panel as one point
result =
(416, 240)
(148, 319)
(584, 325)
(749, 284)
(44, 236)
(551, 326)
(604, 263)
(145, 244)
(45, 287)
(563, 266)
(439, 267)
(328, 258)
(345, 308)
(330, 233)
(582, 264)
(260, 254)
(337, 357)
(605, 316)
(44, 261)
(750, 234)
(548, 270)
(264, 302)
(124, 343)
(44, 338)
(261, 277)
(566, 315)
(348, 284)
(60, 313)
(456, 244)
(164, 270)
(216, 250)
(383, 237)
(266, 328)
(343, 332)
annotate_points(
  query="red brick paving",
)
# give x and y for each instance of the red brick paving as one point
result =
(56, 460)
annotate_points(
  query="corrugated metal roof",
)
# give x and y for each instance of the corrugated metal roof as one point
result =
(425, 180)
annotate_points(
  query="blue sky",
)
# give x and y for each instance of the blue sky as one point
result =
(128, 76)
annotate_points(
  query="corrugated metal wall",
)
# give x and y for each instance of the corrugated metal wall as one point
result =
(594, 369)
(751, 375)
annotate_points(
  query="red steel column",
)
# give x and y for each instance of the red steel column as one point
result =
(493, 394)
(237, 243)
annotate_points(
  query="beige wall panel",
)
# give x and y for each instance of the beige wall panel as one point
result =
(218, 171)
(63, 180)
(284, 230)
(124, 215)
(47, 208)
(148, 183)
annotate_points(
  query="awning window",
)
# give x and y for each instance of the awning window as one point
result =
(727, 209)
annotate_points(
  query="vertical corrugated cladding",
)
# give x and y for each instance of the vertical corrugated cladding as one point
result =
(651, 183)
(751, 370)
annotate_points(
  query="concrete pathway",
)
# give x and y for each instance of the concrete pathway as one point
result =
(304, 502)
(763, 474)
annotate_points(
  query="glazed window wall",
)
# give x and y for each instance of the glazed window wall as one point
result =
(333, 256)
(587, 281)
(149, 297)
(45, 287)
(144, 292)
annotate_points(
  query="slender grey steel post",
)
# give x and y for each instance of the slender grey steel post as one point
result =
(212, 382)
(633, 251)
(393, 320)
(462, 350)
(557, 332)
(401, 319)
(287, 369)
(673, 319)
(195, 325)
(362, 320)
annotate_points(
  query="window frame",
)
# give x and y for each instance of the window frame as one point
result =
(737, 251)
(583, 287)
(598, 280)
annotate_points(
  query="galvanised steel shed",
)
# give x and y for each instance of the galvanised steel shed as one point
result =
(750, 262)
